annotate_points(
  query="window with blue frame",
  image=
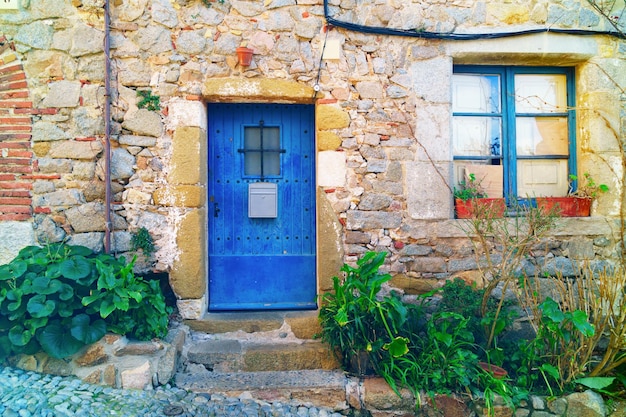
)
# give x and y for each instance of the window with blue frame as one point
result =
(514, 129)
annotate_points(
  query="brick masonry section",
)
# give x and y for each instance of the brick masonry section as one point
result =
(16, 155)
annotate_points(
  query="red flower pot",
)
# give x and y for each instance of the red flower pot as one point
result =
(494, 370)
(487, 207)
(566, 206)
(244, 55)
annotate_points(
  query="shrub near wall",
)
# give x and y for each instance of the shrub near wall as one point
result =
(59, 298)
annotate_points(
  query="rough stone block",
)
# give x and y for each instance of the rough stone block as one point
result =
(187, 164)
(93, 355)
(188, 275)
(137, 378)
(421, 179)
(331, 169)
(180, 196)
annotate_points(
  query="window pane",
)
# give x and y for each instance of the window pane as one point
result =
(540, 93)
(542, 177)
(475, 93)
(261, 144)
(476, 136)
(541, 136)
(488, 176)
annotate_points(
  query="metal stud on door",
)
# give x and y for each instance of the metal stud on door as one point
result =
(262, 197)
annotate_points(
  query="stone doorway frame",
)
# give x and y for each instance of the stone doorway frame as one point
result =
(186, 189)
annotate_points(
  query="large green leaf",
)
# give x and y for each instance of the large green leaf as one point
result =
(552, 310)
(39, 306)
(45, 285)
(342, 316)
(13, 270)
(14, 295)
(581, 321)
(57, 341)
(19, 336)
(106, 308)
(66, 292)
(79, 250)
(86, 331)
(75, 268)
(398, 347)
(596, 382)
(106, 278)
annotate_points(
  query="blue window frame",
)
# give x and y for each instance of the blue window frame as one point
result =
(514, 129)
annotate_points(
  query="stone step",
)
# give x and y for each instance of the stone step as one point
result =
(232, 355)
(319, 388)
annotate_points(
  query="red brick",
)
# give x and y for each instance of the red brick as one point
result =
(7, 177)
(42, 177)
(15, 120)
(12, 77)
(16, 185)
(19, 154)
(17, 104)
(15, 201)
(14, 168)
(42, 210)
(326, 100)
(15, 193)
(13, 95)
(20, 128)
(36, 111)
(14, 217)
(14, 161)
(21, 137)
(87, 139)
(16, 85)
(15, 209)
(14, 145)
(12, 68)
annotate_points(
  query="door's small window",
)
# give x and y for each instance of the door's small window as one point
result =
(261, 151)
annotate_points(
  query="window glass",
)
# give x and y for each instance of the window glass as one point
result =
(513, 126)
(541, 136)
(472, 136)
(261, 151)
(476, 93)
(540, 93)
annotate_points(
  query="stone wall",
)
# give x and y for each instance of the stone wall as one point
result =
(115, 361)
(382, 116)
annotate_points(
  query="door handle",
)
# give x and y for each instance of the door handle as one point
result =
(216, 210)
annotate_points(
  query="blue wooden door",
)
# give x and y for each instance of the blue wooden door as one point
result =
(261, 207)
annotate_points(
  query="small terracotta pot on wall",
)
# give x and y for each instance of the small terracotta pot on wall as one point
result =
(244, 55)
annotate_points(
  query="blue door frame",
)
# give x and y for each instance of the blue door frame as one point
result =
(261, 261)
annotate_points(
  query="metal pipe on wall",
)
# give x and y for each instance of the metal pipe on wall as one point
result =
(107, 129)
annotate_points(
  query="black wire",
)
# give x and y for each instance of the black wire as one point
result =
(455, 36)
(319, 69)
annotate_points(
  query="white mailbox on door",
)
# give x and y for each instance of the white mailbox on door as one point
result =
(262, 200)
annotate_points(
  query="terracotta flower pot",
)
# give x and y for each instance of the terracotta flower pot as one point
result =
(494, 370)
(244, 55)
(566, 206)
(490, 207)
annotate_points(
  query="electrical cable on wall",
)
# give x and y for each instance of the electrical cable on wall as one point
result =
(316, 86)
(414, 33)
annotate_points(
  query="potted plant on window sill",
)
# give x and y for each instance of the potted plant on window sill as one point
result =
(576, 203)
(470, 200)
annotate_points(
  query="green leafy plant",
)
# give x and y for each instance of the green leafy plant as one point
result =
(469, 189)
(148, 101)
(441, 359)
(587, 188)
(59, 298)
(357, 322)
(142, 239)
